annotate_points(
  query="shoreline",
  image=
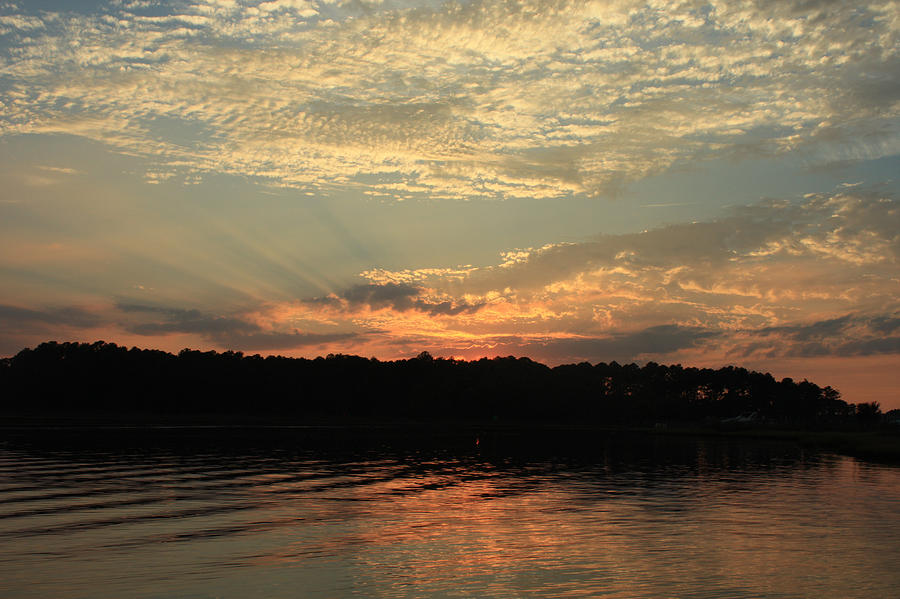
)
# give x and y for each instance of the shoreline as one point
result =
(881, 446)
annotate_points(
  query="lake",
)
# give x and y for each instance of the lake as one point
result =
(289, 513)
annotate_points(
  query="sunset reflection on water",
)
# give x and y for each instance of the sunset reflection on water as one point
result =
(677, 518)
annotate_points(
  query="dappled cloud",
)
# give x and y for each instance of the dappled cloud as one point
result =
(457, 99)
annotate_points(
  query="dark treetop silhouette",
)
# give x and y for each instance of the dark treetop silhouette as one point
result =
(106, 379)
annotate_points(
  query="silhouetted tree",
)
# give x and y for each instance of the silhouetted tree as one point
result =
(868, 413)
(103, 378)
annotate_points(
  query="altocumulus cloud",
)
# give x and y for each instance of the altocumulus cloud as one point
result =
(484, 98)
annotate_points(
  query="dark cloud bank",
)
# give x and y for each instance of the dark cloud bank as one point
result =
(233, 333)
(396, 296)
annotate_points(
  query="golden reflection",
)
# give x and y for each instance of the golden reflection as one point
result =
(702, 520)
(632, 534)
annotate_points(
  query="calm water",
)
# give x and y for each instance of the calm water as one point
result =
(289, 516)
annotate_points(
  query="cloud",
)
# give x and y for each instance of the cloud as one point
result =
(229, 332)
(400, 297)
(185, 321)
(832, 252)
(849, 335)
(623, 347)
(870, 347)
(884, 324)
(283, 341)
(555, 349)
(60, 170)
(17, 319)
(817, 331)
(812, 277)
(457, 100)
(207, 326)
(809, 278)
(22, 326)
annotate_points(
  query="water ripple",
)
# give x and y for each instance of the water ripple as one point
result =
(694, 518)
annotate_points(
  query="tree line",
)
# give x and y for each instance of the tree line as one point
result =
(102, 377)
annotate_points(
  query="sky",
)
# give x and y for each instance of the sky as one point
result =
(703, 183)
